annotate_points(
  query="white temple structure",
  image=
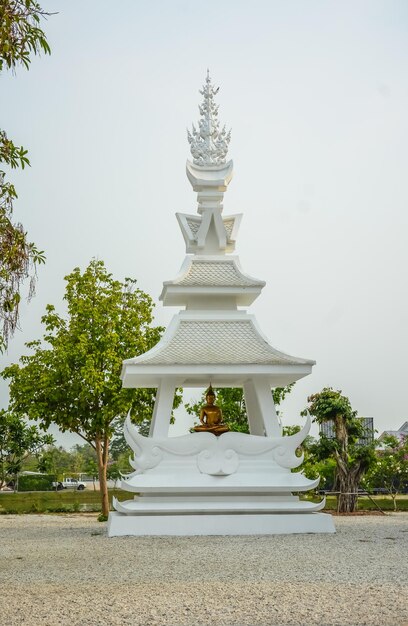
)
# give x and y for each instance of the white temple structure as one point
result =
(199, 483)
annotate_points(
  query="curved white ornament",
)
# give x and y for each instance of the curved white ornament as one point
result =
(216, 456)
(147, 456)
(285, 455)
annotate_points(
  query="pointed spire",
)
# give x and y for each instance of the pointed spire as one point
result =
(208, 144)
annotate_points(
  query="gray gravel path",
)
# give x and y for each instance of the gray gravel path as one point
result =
(64, 570)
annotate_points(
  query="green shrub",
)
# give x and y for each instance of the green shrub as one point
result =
(60, 509)
(35, 482)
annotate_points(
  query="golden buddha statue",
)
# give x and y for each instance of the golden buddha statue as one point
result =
(211, 416)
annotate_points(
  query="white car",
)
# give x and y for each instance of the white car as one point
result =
(70, 483)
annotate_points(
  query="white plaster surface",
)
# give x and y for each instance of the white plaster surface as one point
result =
(199, 484)
(63, 569)
(162, 524)
(217, 504)
(209, 338)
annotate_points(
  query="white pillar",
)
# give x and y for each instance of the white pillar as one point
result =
(262, 416)
(255, 421)
(163, 407)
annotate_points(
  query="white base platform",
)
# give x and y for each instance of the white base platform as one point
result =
(219, 524)
(199, 484)
(198, 505)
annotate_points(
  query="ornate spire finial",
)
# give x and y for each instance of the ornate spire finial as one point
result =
(209, 144)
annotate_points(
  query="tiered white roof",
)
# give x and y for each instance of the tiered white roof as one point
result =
(211, 338)
(211, 277)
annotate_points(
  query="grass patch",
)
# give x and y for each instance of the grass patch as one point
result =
(56, 501)
(365, 504)
(90, 501)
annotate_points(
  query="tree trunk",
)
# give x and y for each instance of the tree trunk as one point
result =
(347, 476)
(347, 481)
(102, 456)
(347, 498)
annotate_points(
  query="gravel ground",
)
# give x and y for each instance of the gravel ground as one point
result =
(63, 570)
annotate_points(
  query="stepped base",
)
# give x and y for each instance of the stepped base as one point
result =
(219, 524)
(198, 484)
(199, 505)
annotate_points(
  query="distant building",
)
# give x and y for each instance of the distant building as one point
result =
(327, 429)
(400, 433)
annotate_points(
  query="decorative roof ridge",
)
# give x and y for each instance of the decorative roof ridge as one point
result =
(209, 143)
(244, 274)
(278, 352)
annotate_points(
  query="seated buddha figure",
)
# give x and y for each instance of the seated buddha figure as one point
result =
(211, 416)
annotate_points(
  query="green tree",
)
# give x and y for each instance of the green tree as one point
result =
(20, 38)
(57, 461)
(231, 401)
(314, 467)
(72, 378)
(17, 441)
(81, 459)
(87, 454)
(20, 33)
(89, 462)
(390, 470)
(311, 466)
(119, 445)
(352, 460)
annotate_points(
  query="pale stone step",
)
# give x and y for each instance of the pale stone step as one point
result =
(145, 506)
(219, 524)
(256, 482)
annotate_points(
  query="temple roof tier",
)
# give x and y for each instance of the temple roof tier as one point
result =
(206, 276)
(198, 346)
(199, 376)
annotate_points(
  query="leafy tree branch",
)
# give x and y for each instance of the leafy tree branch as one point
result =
(20, 38)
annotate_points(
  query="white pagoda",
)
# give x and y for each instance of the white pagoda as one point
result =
(200, 483)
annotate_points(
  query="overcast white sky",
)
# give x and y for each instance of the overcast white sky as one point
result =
(316, 94)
